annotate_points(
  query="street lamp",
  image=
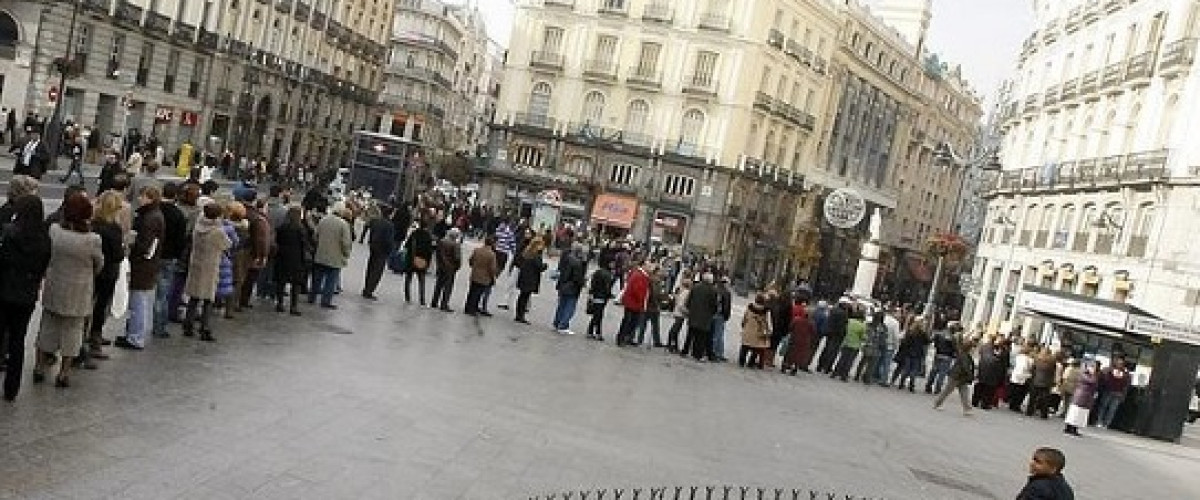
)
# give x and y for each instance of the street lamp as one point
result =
(55, 129)
(982, 160)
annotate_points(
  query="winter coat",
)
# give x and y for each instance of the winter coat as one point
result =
(913, 345)
(420, 244)
(1084, 395)
(681, 300)
(448, 256)
(334, 242)
(600, 289)
(260, 238)
(144, 254)
(702, 306)
(209, 243)
(1069, 380)
(175, 237)
(1022, 369)
(291, 253)
(1053, 487)
(804, 333)
(756, 327)
(112, 245)
(225, 271)
(383, 236)
(1043, 372)
(572, 275)
(23, 262)
(637, 291)
(529, 276)
(836, 323)
(992, 366)
(484, 268)
(963, 370)
(75, 260)
(856, 334)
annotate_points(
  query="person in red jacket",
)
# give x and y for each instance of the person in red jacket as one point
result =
(635, 299)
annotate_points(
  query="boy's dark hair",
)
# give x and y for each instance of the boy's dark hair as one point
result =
(1052, 456)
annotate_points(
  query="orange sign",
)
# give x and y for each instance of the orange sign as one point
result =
(614, 210)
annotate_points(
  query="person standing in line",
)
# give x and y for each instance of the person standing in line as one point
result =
(505, 249)
(599, 293)
(943, 348)
(18, 186)
(529, 277)
(175, 241)
(799, 353)
(1082, 399)
(702, 304)
(112, 245)
(911, 354)
(654, 305)
(724, 312)
(1114, 385)
(852, 342)
(572, 276)
(834, 333)
(1040, 384)
(291, 260)
(420, 253)
(76, 258)
(756, 334)
(1068, 380)
(209, 243)
(679, 312)
(382, 244)
(993, 365)
(887, 350)
(259, 244)
(634, 300)
(1046, 481)
(962, 372)
(1018, 381)
(872, 348)
(25, 249)
(334, 244)
(144, 261)
(484, 270)
(780, 306)
(448, 257)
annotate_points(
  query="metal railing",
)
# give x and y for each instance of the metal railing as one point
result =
(534, 120)
(1070, 89)
(1133, 168)
(1113, 74)
(1178, 54)
(647, 77)
(546, 59)
(658, 11)
(561, 3)
(700, 84)
(613, 7)
(1139, 67)
(600, 68)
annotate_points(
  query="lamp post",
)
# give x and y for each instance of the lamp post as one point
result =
(55, 128)
(983, 160)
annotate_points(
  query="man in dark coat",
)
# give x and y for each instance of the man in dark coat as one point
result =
(572, 276)
(383, 242)
(175, 240)
(835, 332)
(145, 257)
(702, 305)
(448, 258)
(33, 159)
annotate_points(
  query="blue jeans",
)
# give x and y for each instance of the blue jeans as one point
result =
(565, 311)
(162, 294)
(941, 368)
(883, 365)
(141, 316)
(1109, 403)
(718, 337)
(324, 280)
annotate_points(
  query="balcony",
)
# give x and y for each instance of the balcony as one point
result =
(613, 8)
(567, 4)
(1053, 96)
(1139, 69)
(208, 40)
(659, 12)
(600, 69)
(1074, 18)
(764, 102)
(128, 13)
(1089, 84)
(1091, 12)
(1032, 103)
(534, 120)
(97, 6)
(644, 77)
(1146, 167)
(775, 38)
(1070, 89)
(157, 24)
(184, 33)
(713, 22)
(700, 84)
(1080, 242)
(1177, 57)
(1111, 6)
(1111, 80)
(546, 59)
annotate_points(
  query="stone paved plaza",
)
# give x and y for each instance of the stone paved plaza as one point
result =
(386, 400)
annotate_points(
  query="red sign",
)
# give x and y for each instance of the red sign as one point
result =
(53, 93)
(189, 119)
(163, 114)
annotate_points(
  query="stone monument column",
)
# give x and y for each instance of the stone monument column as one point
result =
(868, 262)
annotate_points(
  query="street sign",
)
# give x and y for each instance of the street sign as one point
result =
(163, 114)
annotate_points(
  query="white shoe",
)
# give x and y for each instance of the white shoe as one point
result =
(565, 332)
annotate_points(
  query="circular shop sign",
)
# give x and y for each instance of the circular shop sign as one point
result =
(845, 208)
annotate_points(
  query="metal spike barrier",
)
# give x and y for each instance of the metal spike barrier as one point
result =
(705, 492)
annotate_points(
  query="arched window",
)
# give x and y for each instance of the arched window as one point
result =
(1143, 226)
(1045, 226)
(10, 35)
(1085, 228)
(539, 102)
(691, 128)
(593, 108)
(1129, 127)
(1066, 221)
(637, 116)
(769, 147)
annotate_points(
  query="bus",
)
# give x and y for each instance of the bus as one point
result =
(387, 166)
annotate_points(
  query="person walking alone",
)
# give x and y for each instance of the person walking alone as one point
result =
(962, 373)
(382, 243)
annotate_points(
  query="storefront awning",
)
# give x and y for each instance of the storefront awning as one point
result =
(918, 269)
(614, 210)
(1079, 312)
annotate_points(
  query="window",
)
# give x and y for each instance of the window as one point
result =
(648, 59)
(690, 130)
(606, 49)
(552, 39)
(83, 45)
(637, 116)
(145, 62)
(1065, 221)
(626, 175)
(114, 56)
(593, 108)
(614, 5)
(580, 166)
(706, 66)
(539, 100)
(171, 68)
(528, 156)
(679, 185)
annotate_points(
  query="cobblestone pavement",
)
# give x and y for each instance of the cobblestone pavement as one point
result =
(388, 400)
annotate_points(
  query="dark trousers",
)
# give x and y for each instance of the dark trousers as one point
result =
(984, 396)
(247, 288)
(698, 343)
(1039, 402)
(754, 356)
(829, 354)
(523, 303)
(14, 323)
(197, 307)
(280, 285)
(474, 297)
(845, 360)
(595, 327)
(420, 285)
(673, 334)
(1016, 395)
(375, 264)
(649, 321)
(629, 323)
(105, 288)
(443, 286)
(866, 368)
(175, 299)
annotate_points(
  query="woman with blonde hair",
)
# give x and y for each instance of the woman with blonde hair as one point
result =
(529, 276)
(228, 283)
(106, 222)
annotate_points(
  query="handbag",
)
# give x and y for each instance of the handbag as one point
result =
(419, 263)
(120, 300)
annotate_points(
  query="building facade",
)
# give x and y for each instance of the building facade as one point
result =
(435, 74)
(1099, 176)
(286, 80)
